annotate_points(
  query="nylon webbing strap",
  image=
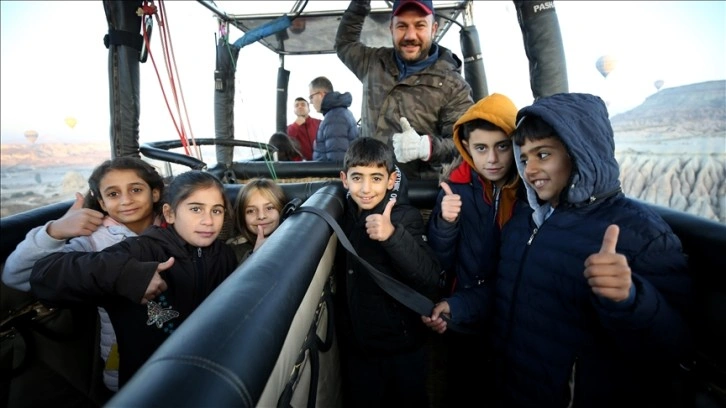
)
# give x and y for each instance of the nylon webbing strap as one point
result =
(396, 289)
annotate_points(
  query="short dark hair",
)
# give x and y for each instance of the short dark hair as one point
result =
(300, 98)
(477, 124)
(367, 151)
(323, 83)
(532, 128)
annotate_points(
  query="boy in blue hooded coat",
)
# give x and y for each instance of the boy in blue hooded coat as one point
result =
(592, 288)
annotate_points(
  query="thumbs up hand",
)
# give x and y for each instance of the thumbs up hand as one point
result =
(409, 145)
(77, 221)
(450, 204)
(378, 226)
(608, 272)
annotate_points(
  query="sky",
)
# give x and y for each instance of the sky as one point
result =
(53, 68)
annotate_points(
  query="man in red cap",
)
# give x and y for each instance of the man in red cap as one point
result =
(413, 92)
(413, 46)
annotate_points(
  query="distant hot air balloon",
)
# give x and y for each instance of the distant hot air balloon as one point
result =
(71, 122)
(658, 84)
(31, 135)
(606, 64)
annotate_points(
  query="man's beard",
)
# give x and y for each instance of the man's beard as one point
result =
(422, 54)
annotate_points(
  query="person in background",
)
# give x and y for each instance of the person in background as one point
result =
(413, 92)
(339, 127)
(259, 207)
(124, 199)
(478, 196)
(382, 343)
(592, 289)
(286, 147)
(304, 129)
(149, 284)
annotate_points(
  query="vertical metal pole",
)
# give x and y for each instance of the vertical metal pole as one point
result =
(283, 79)
(471, 50)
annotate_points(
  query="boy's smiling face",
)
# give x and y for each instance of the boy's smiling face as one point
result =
(547, 167)
(368, 185)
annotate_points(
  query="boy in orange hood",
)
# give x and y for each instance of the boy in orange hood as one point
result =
(478, 196)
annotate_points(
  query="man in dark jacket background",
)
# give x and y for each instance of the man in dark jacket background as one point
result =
(338, 127)
(416, 79)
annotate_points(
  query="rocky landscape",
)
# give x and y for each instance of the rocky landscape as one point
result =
(32, 175)
(671, 150)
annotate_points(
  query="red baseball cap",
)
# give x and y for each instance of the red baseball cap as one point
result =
(426, 6)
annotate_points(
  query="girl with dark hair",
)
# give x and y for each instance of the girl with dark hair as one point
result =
(287, 149)
(130, 279)
(124, 198)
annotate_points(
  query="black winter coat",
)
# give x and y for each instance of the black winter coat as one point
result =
(117, 277)
(371, 320)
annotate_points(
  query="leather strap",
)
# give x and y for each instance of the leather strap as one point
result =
(395, 288)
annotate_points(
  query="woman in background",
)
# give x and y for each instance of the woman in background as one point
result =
(287, 149)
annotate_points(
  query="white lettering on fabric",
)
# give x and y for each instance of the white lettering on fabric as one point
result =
(543, 6)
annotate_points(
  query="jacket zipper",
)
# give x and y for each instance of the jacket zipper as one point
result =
(531, 237)
(198, 275)
(512, 307)
(572, 383)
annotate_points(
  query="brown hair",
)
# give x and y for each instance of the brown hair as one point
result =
(269, 189)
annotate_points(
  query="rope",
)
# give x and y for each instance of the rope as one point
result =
(146, 11)
(267, 157)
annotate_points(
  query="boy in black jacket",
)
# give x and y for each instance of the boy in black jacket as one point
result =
(381, 341)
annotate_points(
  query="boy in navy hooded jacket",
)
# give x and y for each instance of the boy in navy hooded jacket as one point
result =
(592, 287)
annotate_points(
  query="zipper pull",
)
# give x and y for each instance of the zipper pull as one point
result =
(529, 241)
(199, 252)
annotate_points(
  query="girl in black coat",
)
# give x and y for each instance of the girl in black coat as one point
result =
(151, 283)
